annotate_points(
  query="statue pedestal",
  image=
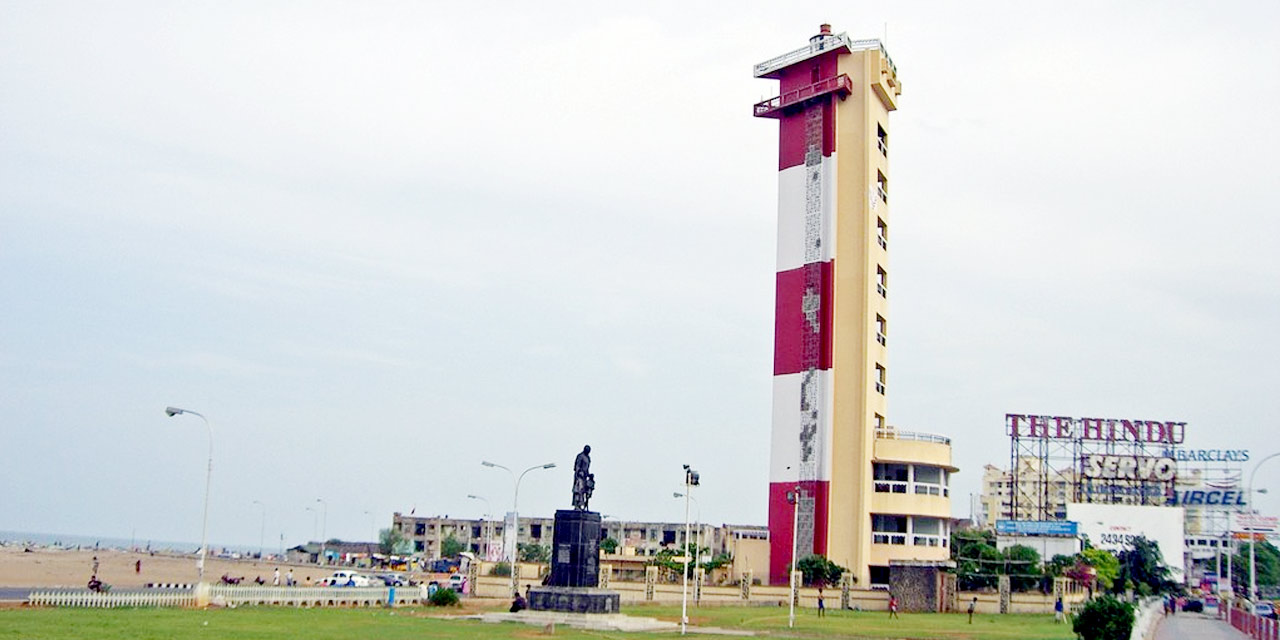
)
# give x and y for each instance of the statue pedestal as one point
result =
(575, 568)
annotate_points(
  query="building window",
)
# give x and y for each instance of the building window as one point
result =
(880, 379)
(420, 529)
(879, 419)
(926, 532)
(535, 530)
(891, 478)
(882, 282)
(882, 186)
(886, 529)
(882, 140)
(882, 329)
(882, 233)
(930, 481)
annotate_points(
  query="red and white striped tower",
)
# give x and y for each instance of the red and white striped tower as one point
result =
(831, 204)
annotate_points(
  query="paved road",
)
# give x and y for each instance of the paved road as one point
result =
(1195, 626)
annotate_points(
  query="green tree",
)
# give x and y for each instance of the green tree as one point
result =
(819, 571)
(977, 559)
(1105, 565)
(533, 552)
(392, 542)
(1104, 618)
(1265, 556)
(1142, 564)
(608, 545)
(502, 568)
(1022, 565)
(450, 547)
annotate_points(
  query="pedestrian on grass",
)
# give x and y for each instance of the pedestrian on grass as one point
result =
(893, 606)
(1057, 610)
(973, 604)
(822, 604)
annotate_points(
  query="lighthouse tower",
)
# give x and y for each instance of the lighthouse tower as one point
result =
(831, 327)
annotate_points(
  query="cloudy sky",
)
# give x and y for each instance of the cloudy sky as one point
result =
(377, 243)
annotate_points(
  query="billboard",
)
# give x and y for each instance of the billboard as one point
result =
(1260, 525)
(1112, 526)
(1036, 527)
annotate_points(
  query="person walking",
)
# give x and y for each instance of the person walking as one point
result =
(973, 604)
(822, 604)
(1057, 610)
(137, 567)
(275, 580)
(893, 606)
(95, 565)
(288, 578)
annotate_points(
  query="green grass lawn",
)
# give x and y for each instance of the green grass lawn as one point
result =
(260, 623)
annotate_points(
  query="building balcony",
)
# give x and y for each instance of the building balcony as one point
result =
(840, 85)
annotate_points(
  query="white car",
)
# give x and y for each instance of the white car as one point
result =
(347, 579)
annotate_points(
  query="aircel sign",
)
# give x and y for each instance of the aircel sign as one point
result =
(1104, 429)
(1208, 497)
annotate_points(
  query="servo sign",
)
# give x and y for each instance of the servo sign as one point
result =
(1129, 467)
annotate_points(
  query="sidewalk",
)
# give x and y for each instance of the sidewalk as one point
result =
(1196, 626)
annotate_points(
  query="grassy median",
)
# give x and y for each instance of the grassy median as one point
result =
(260, 623)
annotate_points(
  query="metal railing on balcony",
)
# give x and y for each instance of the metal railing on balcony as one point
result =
(772, 107)
(891, 486)
(888, 538)
(821, 45)
(892, 433)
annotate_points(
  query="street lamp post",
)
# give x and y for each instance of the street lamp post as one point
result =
(324, 524)
(691, 480)
(1253, 581)
(515, 509)
(484, 523)
(262, 532)
(697, 539)
(208, 477)
(795, 540)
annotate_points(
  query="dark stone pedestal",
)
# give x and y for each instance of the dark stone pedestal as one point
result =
(574, 599)
(575, 549)
(575, 568)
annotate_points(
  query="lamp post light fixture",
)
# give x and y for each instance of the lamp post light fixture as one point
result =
(262, 532)
(794, 498)
(697, 539)
(515, 525)
(484, 523)
(1253, 580)
(204, 527)
(691, 479)
(324, 524)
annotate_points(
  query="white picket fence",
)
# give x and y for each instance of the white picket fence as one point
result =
(231, 595)
(111, 599)
(314, 596)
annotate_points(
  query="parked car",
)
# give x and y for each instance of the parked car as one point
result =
(347, 579)
(457, 582)
(392, 580)
(1265, 609)
(1194, 606)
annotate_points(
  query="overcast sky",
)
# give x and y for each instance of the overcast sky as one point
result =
(376, 243)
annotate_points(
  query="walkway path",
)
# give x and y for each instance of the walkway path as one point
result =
(1196, 626)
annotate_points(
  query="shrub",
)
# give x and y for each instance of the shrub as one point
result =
(444, 598)
(1104, 618)
(500, 569)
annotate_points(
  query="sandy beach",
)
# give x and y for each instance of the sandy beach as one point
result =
(50, 567)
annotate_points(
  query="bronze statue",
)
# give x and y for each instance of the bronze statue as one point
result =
(584, 482)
